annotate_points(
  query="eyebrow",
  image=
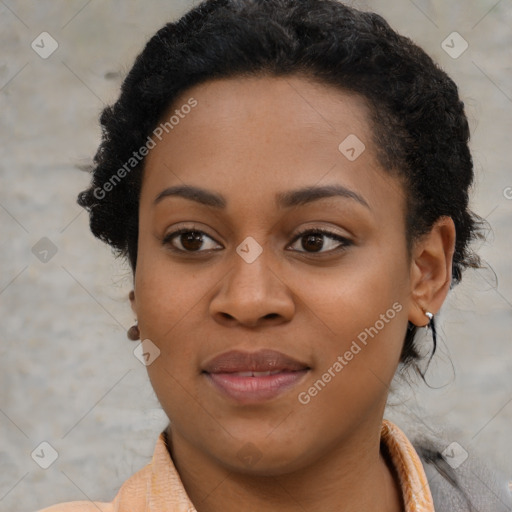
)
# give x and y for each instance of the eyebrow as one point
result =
(288, 199)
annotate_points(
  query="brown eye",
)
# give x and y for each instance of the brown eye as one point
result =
(313, 241)
(187, 240)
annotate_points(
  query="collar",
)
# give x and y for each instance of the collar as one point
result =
(413, 481)
(158, 487)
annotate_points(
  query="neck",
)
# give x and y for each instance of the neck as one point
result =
(355, 475)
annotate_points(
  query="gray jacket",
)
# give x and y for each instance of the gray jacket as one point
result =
(458, 480)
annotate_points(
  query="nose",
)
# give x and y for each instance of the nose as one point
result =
(253, 294)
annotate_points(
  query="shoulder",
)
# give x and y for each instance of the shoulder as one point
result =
(459, 478)
(157, 484)
(131, 496)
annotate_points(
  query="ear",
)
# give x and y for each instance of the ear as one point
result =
(431, 270)
(133, 302)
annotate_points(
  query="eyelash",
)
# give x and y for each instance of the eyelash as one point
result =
(345, 242)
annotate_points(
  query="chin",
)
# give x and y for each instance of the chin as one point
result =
(259, 457)
(259, 464)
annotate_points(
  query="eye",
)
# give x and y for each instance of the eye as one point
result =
(190, 240)
(313, 240)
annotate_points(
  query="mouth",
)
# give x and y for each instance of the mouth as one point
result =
(252, 377)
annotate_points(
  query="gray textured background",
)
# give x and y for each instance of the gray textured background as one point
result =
(67, 372)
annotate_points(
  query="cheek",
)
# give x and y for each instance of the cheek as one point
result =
(164, 297)
(169, 315)
(352, 298)
(361, 316)
(166, 292)
(166, 303)
(364, 325)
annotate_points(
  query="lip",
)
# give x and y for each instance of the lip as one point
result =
(251, 377)
(260, 361)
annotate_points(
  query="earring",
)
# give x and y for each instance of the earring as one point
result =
(133, 333)
(432, 326)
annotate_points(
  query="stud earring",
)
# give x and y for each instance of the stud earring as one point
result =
(133, 333)
(432, 326)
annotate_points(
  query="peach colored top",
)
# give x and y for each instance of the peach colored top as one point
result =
(157, 487)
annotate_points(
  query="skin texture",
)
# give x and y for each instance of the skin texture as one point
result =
(250, 139)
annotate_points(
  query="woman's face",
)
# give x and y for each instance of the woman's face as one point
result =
(334, 306)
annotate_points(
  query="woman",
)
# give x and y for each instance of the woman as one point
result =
(289, 182)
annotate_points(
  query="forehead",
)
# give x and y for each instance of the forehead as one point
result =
(254, 137)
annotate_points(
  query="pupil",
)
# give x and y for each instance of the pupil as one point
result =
(194, 240)
(318, 239)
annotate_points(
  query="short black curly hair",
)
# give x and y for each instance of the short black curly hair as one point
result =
(419, 125)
